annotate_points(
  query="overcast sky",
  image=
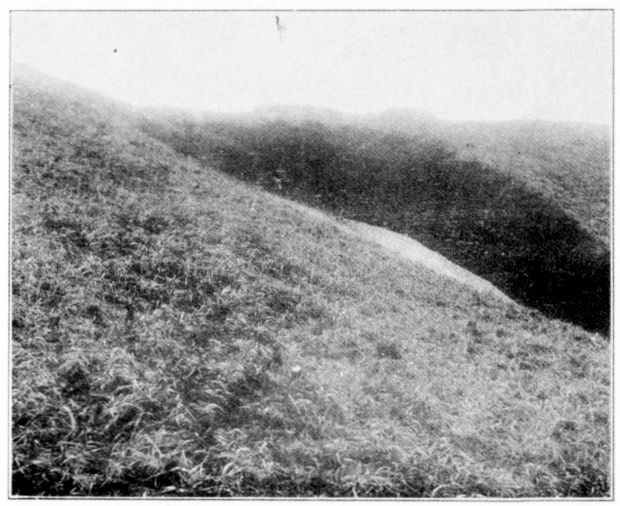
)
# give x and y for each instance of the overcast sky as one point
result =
(456, 65)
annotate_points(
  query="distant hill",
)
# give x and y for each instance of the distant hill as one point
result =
(407, 121)
(569, 163)
(301, 114)
(531, 223)
(176, 332)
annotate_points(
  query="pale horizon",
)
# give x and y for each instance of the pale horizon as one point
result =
(454, 66)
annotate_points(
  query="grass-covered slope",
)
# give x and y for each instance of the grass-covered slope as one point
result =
(569, 163)
(491, 221)
(178, 333)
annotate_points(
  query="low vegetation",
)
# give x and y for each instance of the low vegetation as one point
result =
(483, 218)
(178, 333)
(568, 163)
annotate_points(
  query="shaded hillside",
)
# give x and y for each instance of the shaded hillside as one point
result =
(482, 218)
(178, 333)
(569, 163)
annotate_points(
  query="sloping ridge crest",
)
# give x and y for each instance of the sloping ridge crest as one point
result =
(405, 247)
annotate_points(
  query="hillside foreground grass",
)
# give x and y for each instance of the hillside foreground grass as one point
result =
(176, 332)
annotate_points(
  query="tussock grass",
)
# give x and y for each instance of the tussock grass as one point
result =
(188, 335)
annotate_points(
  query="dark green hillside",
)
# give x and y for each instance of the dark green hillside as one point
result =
(485, 219)
(178, 333)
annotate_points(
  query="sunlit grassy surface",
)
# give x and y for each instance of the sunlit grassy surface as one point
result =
(178, 333)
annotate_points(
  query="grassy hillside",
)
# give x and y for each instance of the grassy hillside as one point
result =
(569, 163)
(492, 222)
(176, 332)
